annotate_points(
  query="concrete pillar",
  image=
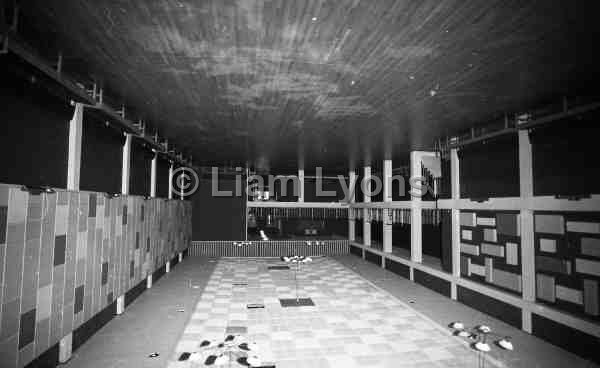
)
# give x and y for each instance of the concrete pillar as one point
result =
(74, 154)
(121, 304)
(153, 177)
(367, 199)
(416, 228)
(352, 199)
(65, 348)
(455, 218)
(387, 198)
(171, 181)
(527, 229)
(300, 185)
(126, 164)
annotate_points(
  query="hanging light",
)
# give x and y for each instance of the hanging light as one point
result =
(463, 333)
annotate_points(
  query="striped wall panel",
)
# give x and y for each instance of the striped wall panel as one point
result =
(490, 249)
(567, 250)
(66, 256)
(275, 248)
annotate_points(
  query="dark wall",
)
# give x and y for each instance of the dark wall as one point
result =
(101, 157)
(326, 185)
(218, 218)
(141, 167)
(565, 156)
(445, 189)
(490, 168)
(162, 177)
(432, 240)
(34, 139)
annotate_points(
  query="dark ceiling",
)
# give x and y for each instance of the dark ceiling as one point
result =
(327, 82)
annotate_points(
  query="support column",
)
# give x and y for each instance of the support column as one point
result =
(171, 181)
(416, 227)
(455, 219)
(387, 198)
(153, 176)
(300, 185)
(352, 199)
(181, 181)
(65, 348)
(126, 164)
(120, 304)
(74, 156)
(367, 199)
(527, 229)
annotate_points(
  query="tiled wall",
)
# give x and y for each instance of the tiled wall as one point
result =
(567, 260)
(65, 256)
(490, 249)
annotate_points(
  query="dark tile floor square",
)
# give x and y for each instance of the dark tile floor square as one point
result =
(293, 302)
(279, 267)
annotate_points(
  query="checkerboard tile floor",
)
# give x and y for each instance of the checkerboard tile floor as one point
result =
(353, 323)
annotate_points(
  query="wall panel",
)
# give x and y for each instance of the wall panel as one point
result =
(68, 255)
(567, 260)
(490, 249)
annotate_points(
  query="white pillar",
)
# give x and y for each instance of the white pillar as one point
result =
(121, 304)
(367, 199)
(387, 198)
(126, 164)
(527, 230)
(180, 257)
(74, 155)
(65, 348)
(455, 219)
(352, 199)
(149, 281)
(181, 176)
(171, 181)
(168, 267)
(416, 228)
(300, 185)
(153, 176)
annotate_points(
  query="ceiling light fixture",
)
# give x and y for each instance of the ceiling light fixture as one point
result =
(314, 19)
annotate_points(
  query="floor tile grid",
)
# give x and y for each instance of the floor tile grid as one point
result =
(352, 324)
(441, 328)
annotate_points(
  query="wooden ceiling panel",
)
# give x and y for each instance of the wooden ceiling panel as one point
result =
(328, 82)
